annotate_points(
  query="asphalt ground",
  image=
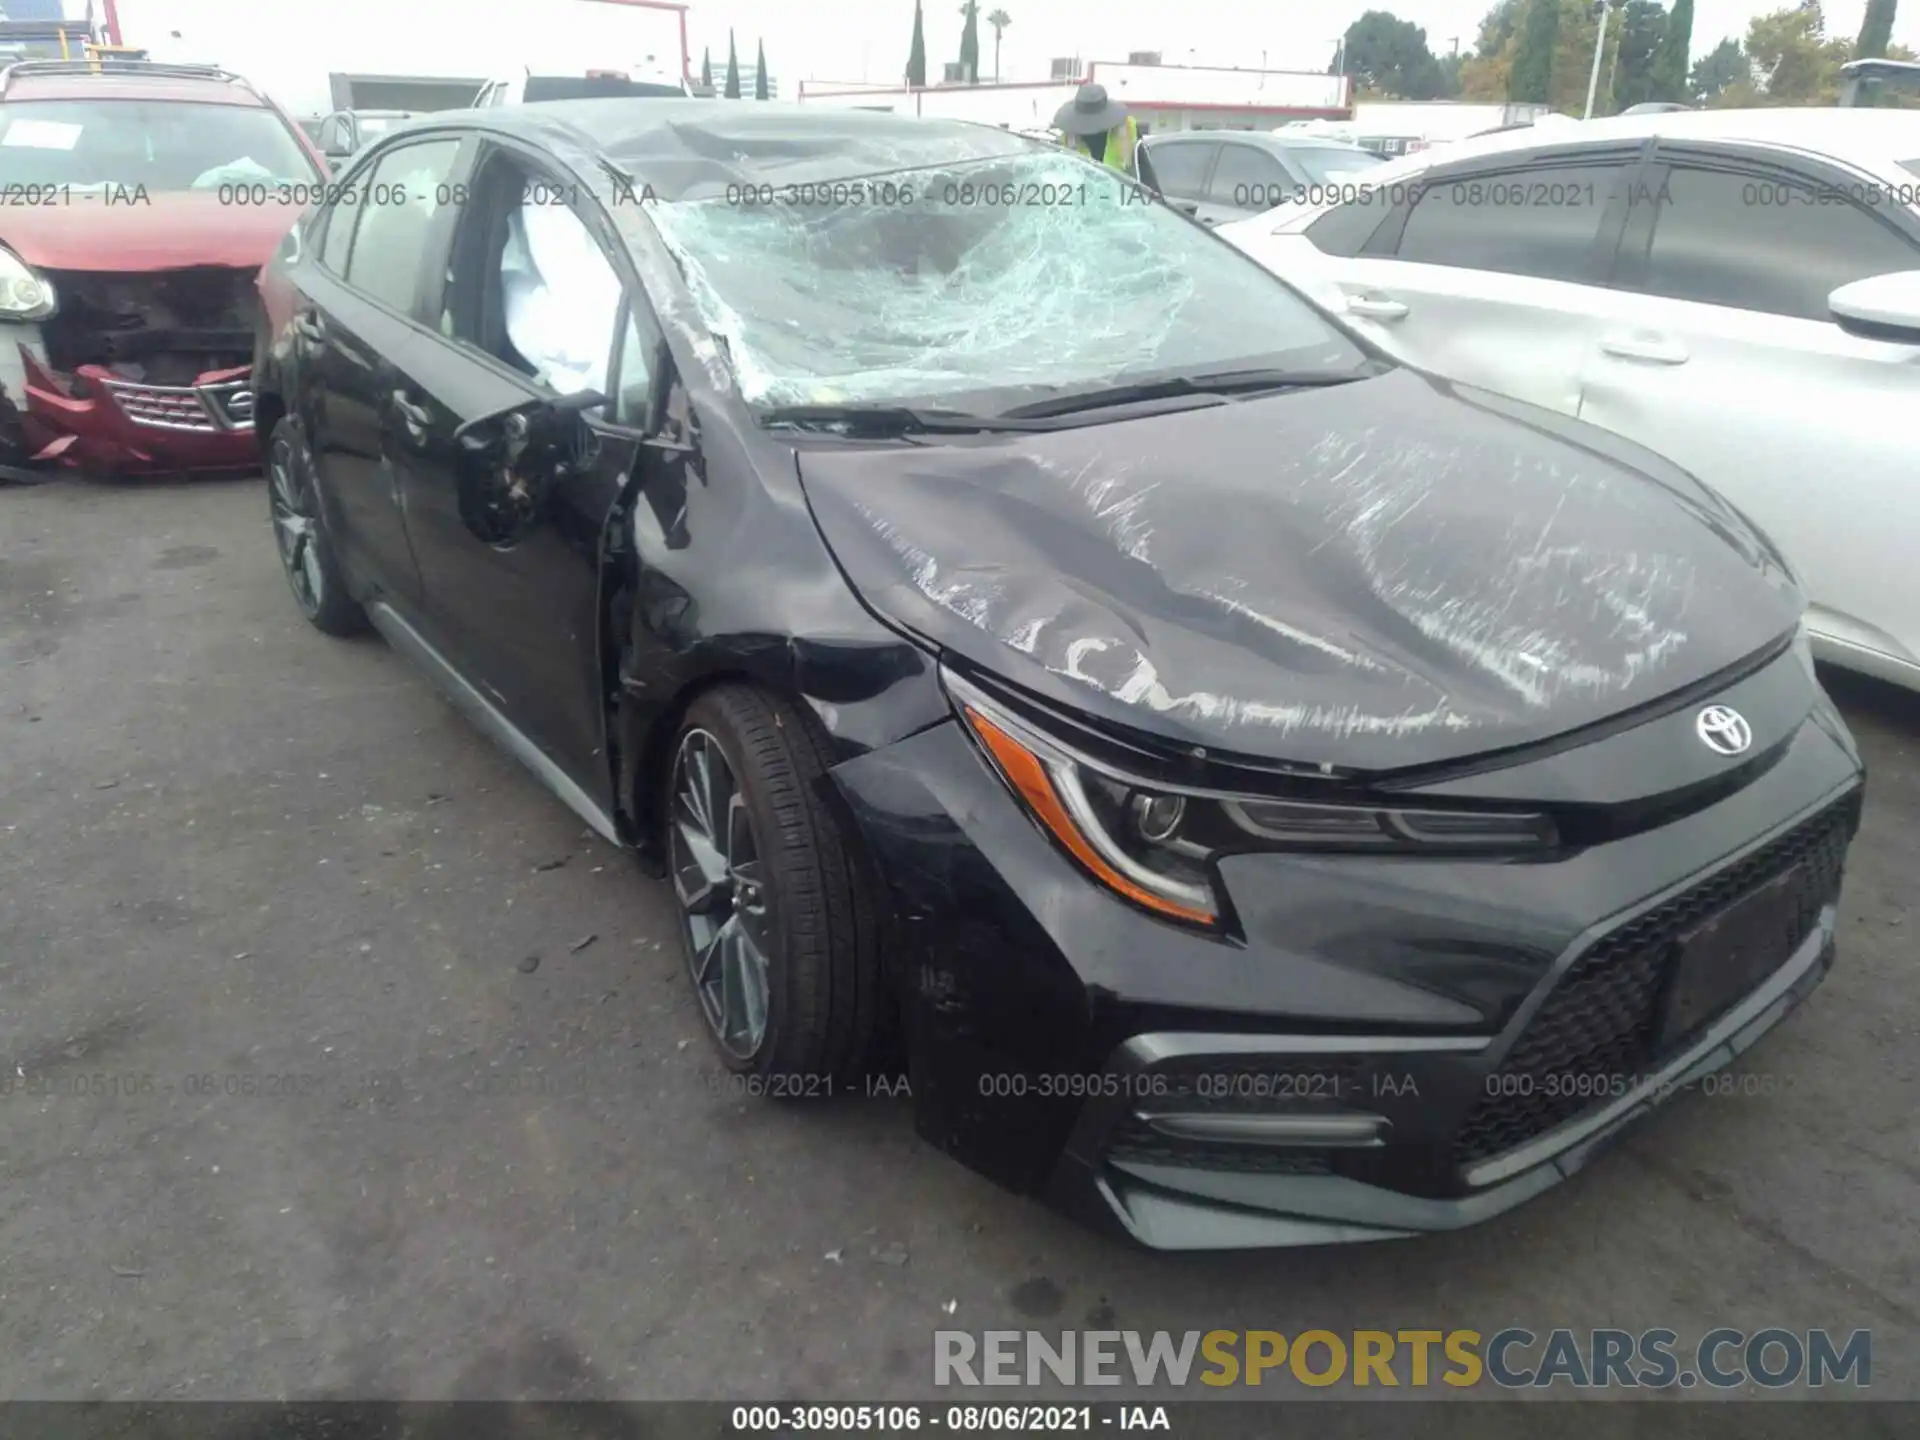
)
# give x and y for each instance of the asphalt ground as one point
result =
(295, 1112)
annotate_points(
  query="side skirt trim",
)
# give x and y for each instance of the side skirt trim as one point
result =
(487, 717)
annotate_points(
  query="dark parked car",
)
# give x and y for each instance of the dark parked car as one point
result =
(1268, 795)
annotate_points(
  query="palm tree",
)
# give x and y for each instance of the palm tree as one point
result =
(999, 20)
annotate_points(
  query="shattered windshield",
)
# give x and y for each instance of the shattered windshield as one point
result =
(161, 145)
(999, 279)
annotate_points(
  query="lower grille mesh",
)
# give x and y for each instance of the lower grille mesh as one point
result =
(1600, 1021)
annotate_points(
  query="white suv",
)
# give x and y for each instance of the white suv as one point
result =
(1738, 290)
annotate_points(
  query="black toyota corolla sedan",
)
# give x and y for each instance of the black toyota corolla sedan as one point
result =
(1266, 794)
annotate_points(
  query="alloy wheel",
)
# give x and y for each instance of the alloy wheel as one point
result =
(296, 526)
(720, 882)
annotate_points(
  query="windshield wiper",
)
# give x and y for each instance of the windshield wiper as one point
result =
(1220, 382)
(890, 419)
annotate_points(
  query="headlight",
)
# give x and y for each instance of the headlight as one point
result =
(1156, 844)
(23, 294)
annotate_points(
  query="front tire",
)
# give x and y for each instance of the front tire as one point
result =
(306, 555)
(776, 917)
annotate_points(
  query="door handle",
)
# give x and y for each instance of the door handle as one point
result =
(1655, 349)
(415, 417)
(1376, 308)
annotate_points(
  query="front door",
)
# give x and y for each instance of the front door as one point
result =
(533, 310)
(1493, 273)
(1722, 355)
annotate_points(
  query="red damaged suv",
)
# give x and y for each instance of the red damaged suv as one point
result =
(138, 202)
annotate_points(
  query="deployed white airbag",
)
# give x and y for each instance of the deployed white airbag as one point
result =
(562, 297)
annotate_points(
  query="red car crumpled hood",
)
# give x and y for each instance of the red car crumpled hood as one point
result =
(165, 233)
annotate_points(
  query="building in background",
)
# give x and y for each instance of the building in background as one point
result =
(1161, 97)
(413, 93)
(382, 54)
(41, 30)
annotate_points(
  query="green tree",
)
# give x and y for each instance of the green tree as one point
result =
(1717, 71)
(970, 42)
(732, 92)
(1675, 54)
(1876, 32)
(917, 53)
(1795, 61)
(760, 91)
(999, 20)
(1531, 78)
(1487, 78)
(706, 70)
(1577, 34)
(1498, 28)
(1389, 56)
(1642, 24)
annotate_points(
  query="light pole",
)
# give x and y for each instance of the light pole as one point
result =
(1602, 8)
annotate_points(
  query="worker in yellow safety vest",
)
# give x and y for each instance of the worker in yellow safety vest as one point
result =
(1100, 127)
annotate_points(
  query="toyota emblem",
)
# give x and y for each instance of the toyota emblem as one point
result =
(1723, 731)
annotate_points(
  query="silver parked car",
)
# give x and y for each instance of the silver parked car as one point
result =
(1221, 175)
(1738, 290)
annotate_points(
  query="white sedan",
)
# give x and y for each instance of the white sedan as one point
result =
(1736, 290)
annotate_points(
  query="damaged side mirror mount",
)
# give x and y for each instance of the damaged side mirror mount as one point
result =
(659, 435)
(526, 425)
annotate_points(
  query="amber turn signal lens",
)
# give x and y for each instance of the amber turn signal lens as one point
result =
(1028, 775)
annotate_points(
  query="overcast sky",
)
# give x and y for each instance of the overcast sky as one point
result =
(839, 39)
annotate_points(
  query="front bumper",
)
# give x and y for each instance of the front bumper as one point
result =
(94, 421)
(1369, 1059)
(1176, 1207)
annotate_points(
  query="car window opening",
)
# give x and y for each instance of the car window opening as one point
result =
(530, 286)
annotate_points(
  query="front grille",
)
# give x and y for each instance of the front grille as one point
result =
(165, 407)
(1600, 1021)
(207, 409)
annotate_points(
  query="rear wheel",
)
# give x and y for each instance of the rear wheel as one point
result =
(305, 552)
(776, 916)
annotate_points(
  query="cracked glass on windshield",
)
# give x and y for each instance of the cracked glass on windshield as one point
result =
(994, 279)
(162, 145)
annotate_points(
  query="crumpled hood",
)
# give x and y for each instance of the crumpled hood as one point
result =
(166, 232)
(1388, 573)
